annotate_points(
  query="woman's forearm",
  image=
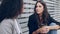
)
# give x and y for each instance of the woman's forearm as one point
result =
(56, 27)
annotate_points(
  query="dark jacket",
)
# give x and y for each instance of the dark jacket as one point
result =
(33, 25)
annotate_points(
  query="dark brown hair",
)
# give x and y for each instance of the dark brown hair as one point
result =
(10, 8)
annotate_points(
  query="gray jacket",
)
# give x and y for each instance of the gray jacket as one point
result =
(7, 26)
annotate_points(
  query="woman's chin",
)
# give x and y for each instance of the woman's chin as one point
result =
(38, 13)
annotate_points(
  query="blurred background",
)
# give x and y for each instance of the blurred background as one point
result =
(53, 9)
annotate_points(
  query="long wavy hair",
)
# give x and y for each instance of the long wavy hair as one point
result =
(10, 8)
(45, 14)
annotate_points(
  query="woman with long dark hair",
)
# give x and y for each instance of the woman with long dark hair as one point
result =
(39, 21)
(9, 10)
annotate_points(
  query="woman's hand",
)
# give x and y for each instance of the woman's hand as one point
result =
(44, 29)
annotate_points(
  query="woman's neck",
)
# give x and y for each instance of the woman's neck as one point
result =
(40, 15)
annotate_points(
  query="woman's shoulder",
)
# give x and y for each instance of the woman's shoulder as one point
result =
(6, 26)
(7, 21)
(32, 16)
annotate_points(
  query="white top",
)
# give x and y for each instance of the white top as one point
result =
(9, 26)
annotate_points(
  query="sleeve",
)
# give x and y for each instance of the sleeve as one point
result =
(5, 28)
(31, 25)
(53, 20)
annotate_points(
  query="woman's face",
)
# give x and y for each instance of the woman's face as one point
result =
(39, 8)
